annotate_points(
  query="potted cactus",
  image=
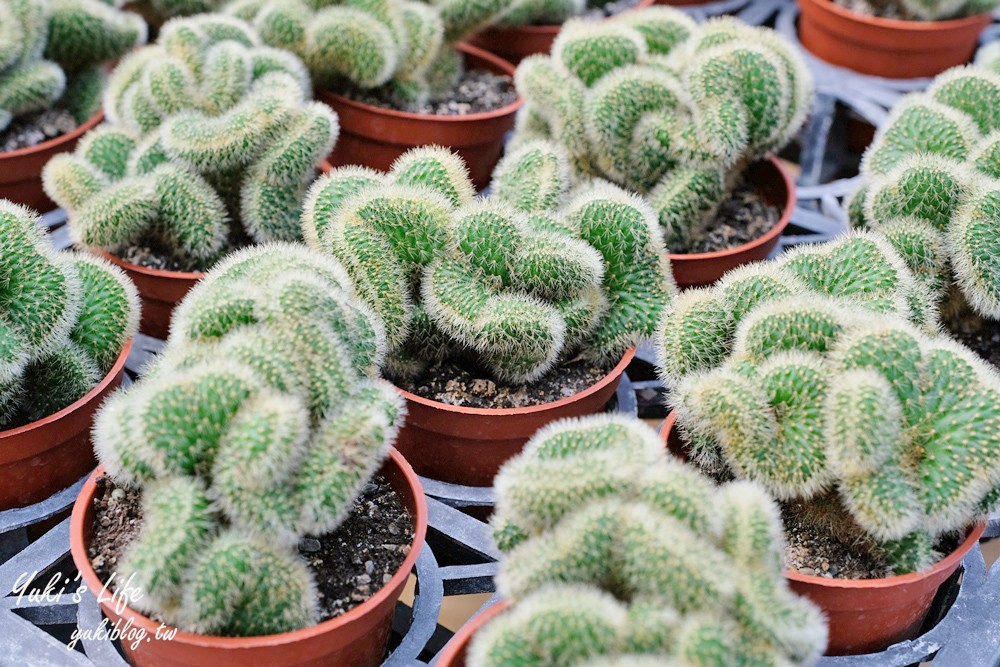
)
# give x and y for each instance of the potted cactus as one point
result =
(502, 314)
(898, 39)
(51, 59)
(613, 552)
(66, 323)
(872, 432)
(211, 146)
(682, 114)
(528, 27)
(397, 76)
(930, 187)
(230, 501)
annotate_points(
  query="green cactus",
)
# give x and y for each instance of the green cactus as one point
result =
(930, 185)
(242, 443)
(817, 396)
(517, 288)
(212, 144)
(674, 111)
(64, 320)
(937, 10)
(609, 545)
(51, 54)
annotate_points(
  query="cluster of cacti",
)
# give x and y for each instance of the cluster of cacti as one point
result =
(932, 185)
(256, 426)
(700, 325)
(661, 106)
(614, 550)
(404, 49)
(212, 144)
(821, 402)
(64, 320)
(512, 279)
(51, 53)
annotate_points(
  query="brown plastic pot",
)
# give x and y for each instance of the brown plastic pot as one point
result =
(46, 456)
(517, 42)
(868, 615)
(456, 650)
(21, 170)
(770, 178)
(375, 137)
(887, 47)
(460, 445)
(358, 638)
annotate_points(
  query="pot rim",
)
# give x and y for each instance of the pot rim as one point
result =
(788, 208)
(75, 133)
(612, 374)
(117, 368)
(900, 24)
(948, 562)
(463, 637)
(94, 585)
(554, 28)
(465, 49)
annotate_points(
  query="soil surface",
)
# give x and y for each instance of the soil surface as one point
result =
(349, 565)
(741, 218)
(152, 254)
(36, 129)
(979, 334)
(477, 91)
(458, 383)
(886, 9)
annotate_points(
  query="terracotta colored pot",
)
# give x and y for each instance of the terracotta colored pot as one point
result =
(455, 651)
(461, 445)
(375, 137)
(515, 43)
(770, 178)
(46, 456)
(887, 47)
(358, 638)
(21, 170)
(159, 291)
(868, 615)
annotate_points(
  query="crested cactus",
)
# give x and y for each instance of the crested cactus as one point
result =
(674, 111)
(612, 549)
(278, 448)
(512, 279)
(51, 54)
(403, 50)
(819, 401)
(212, 144)
(64, 320)
(932, 185)
(698, 328)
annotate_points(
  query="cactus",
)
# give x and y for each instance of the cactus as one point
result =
(939, 10)
(862, 268)
(279, 447)
(611, 548)
(402, 50)
(510, 279)
(51, 54)
(674, 111)
(64, 320)
(211, 144)
(931, 186)
(818, 398)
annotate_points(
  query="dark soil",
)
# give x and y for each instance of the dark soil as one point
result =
(741, 218)
(36, 129)
(599, 10)
(154, 255)
(477, 91)
(457, 383)
(979, 334)
(886, 9)
(349, 565)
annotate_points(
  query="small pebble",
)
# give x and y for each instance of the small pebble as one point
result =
(309, 545)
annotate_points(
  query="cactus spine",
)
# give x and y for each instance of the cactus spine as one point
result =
(212, 144)
(257, 425)
(610, 547)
